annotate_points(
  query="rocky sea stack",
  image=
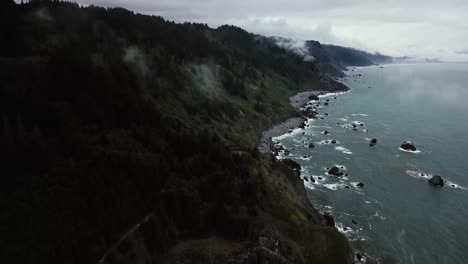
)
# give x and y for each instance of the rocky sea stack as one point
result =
(407, 145)
(437, 181)
(335, 171)
(314, 97)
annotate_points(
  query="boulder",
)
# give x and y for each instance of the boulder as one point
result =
(407, 145)
(311, 145)
(277, 148)
(314, 97)
(437, 181)
(326, 103)
(310, 113)
(360, 185)
(305, 179)
(312, 179)
(354, 222)
(335, 171)
(326, 132)
(333, 141)
(329, 220)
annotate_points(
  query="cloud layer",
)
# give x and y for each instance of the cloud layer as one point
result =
(422, 28)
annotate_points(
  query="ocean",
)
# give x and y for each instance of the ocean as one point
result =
(397, 217)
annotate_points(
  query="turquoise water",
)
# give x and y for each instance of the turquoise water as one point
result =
(400, 217)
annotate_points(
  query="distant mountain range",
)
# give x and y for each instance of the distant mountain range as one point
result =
(336, 58)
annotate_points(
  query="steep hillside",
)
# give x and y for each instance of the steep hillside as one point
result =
(125, 137)
(352, 57)
(328, 59)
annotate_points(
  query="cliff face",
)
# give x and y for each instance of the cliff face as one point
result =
(130, 139)
(295, 233)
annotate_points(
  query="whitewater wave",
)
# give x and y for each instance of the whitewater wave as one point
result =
(359, 114)
(343, 229)
(410, 151)
(427, 176)
(318, 179)
(332, 186)
(344, 150)
(305, 158)
(332, 94)
(291, 133)
(358, 123)
(309, 185)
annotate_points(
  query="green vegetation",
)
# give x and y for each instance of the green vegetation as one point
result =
(109, 116)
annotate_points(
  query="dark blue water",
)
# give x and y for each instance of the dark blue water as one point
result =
(400, 217)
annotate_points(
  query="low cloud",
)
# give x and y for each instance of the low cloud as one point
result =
(134, 56)
(417, 28)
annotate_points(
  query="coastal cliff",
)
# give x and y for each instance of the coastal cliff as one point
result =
(294, 232)
(131, 139)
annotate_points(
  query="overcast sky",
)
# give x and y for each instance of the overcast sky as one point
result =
(421, 28)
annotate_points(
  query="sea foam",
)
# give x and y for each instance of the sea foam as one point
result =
(410, 151)
(359, 114)
(344, 150)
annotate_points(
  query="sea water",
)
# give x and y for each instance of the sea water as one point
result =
(398, 216)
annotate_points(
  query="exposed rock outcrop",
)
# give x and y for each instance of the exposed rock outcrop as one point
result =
(314, 97)
(407, 145)
(329, 220)
(292, 164)
(437, 181)
(335, 171)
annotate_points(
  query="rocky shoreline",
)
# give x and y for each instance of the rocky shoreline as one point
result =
(297, 101)
(306, 110)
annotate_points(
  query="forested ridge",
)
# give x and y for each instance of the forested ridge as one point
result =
(109, 116)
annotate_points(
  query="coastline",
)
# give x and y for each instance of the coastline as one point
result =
(300, 103)
(266, 144)
(296, 101)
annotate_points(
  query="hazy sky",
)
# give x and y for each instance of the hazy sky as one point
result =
(422, 28)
